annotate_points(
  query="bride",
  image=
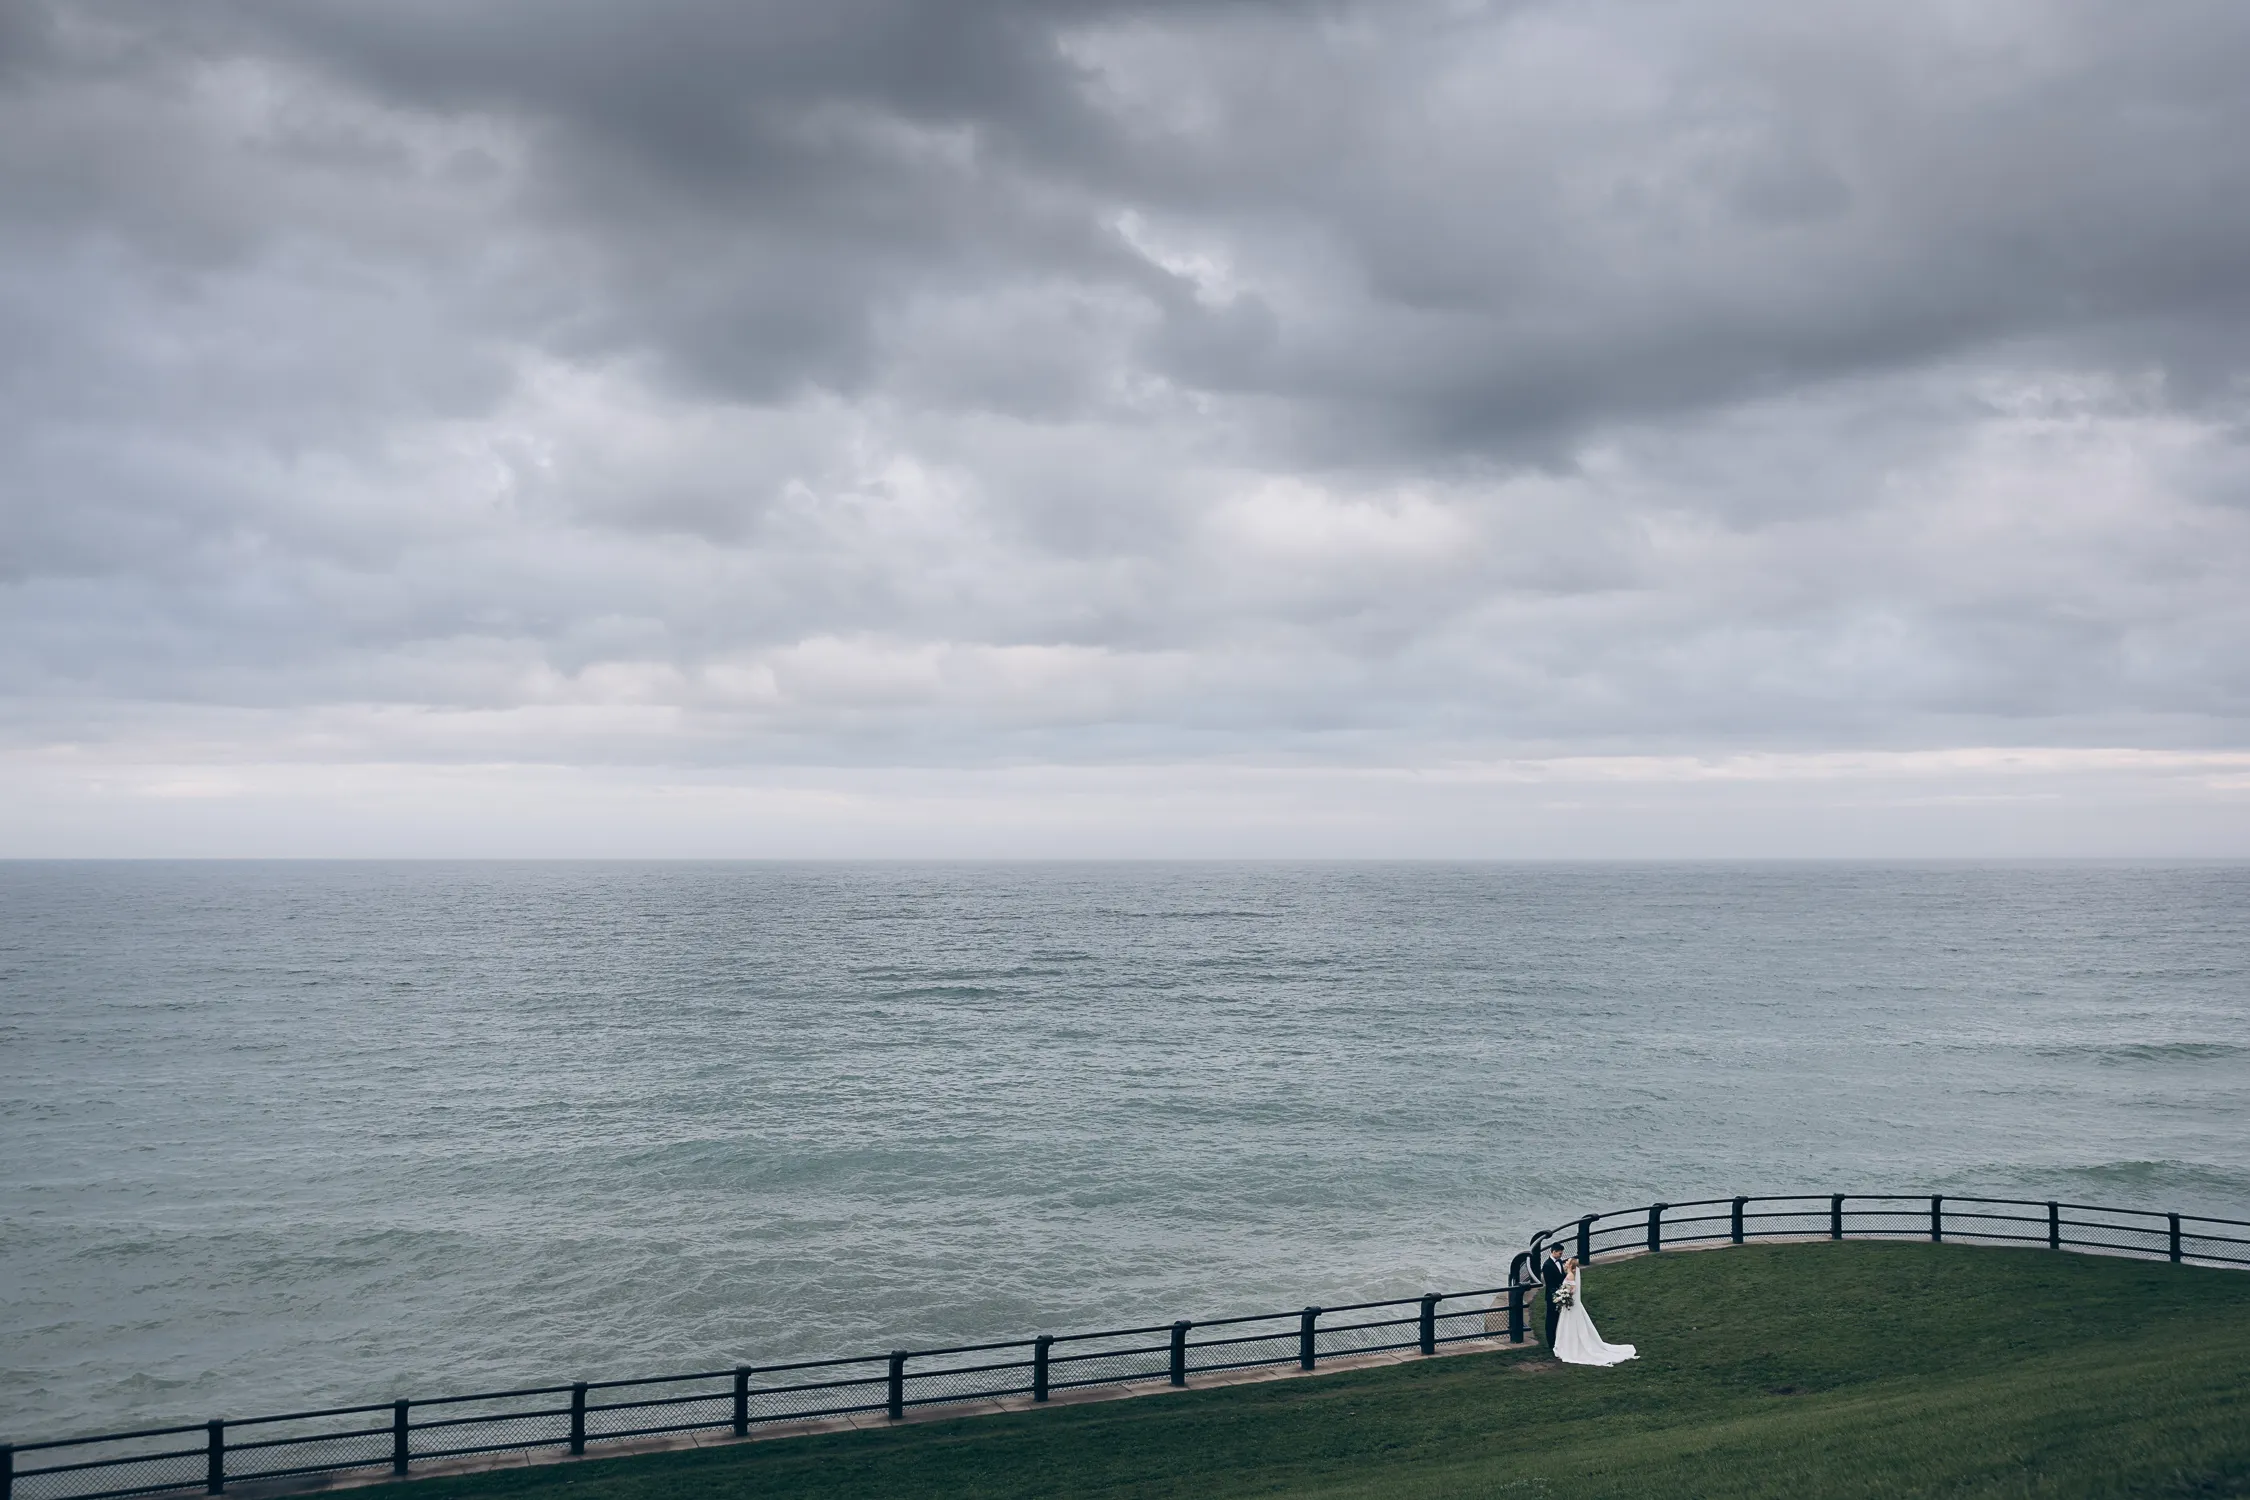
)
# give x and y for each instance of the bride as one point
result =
(1576, 1341)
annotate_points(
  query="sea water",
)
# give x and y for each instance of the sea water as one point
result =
(281, 1135)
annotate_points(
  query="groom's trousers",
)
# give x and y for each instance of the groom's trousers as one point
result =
(1554, 1316)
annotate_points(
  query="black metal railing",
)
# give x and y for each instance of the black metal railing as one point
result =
(2183, 1239)
(304, 1448)
(398, 1436)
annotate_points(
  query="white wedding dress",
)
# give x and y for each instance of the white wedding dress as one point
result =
(1577, 1342)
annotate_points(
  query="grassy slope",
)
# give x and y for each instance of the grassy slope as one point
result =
(1788, 1370)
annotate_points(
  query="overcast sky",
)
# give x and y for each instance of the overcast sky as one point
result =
(868, 427)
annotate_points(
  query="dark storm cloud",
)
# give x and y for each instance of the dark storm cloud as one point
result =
(743, 189)
(885, 380)
(1471, 225)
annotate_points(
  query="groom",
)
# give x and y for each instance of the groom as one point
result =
(1551, 1274)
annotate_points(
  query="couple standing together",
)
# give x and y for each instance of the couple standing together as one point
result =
(1570, 1330)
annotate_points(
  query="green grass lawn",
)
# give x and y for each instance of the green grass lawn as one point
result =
(1780, 1370)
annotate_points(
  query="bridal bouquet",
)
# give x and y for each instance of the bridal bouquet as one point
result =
(1566, 1298)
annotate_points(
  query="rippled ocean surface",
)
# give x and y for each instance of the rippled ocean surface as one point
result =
(275, 1135)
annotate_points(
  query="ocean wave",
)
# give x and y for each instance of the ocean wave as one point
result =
(2187, 1186)
(2124, 1053)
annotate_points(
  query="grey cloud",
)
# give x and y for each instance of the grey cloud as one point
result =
(885, 380)
(1472, 232)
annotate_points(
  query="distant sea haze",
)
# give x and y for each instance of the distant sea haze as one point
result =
(280, 1135)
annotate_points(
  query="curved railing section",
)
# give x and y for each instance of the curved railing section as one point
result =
(2183, 1239)
(308, 1449)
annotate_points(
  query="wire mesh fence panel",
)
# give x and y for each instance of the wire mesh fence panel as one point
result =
(1698, 1224)
(1370, 1331)
(461, 1432)
(2214, 1242)
(308, 1455)
(1482, 1322)
(74, 1478)
(1991, 1221)
(680, 1412)
(1886, 1218)
(2116, 1231)
(1492, 1314)
(1785, 1218)
(933, 1379)
(1612, 1234)
(1082, 1366)
(798, 1395)
(1243, 1345)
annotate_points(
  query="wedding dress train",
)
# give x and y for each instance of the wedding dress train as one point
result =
(1576, 1340)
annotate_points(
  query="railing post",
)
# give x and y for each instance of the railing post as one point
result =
(1516, 1294)
(2175, 1221)
(7, 1471)
(1937, 1218)
(1835, 1216)
(578, 1418)
(1429, 1322)
(398, 1437)
(1039, 1348)
(741, 1400)
(898, 1385)
(215, 1460)
(1179, 1351)
(1656, 1226)
(1306, 1356)
(1738, 1219)
(1586, 1239)
(2054, 1225)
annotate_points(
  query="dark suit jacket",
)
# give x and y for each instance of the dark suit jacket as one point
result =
(1551, 1276)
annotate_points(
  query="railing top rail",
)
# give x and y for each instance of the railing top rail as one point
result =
(1620, 1219)
(1570, 1227)
(811, 1363)
(1291, 1316)
(2110, 1208)
(1341, 1307)
(307, 1416)
(103, 1463)
(1964, 1203)
(1126, 1352)
(514, 1395)
(2152, 1213)
(611, 1385)
(1345, 1307)
(294, 1441)
(1120, 1333)
(971, 1349)
(110, 1437)
(784, 1367)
